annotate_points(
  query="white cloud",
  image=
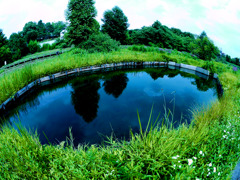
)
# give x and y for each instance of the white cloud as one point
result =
(15, 14)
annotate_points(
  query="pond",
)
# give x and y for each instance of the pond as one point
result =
(100, 104)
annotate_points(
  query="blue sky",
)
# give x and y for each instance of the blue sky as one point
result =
(219, 18)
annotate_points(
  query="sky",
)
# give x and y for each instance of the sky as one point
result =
(220, 19)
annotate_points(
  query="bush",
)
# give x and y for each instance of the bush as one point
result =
(79, 51)
(209, 65)
(33, 46)
(100, 43)
(45, 47)
(143, 48)
(60, 43)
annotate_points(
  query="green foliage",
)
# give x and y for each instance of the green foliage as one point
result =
(143, 48)
(46, 47)
(41, 30)
(115, 24)
(162, 37)
(209, 65)
(100, 43)
(18, 45)
(207, 149)
(204, 48)
(56, 28)
(33, 46)
(81, 14)
(30, 31)
(201, 151)
(3, 39)
(5, 53)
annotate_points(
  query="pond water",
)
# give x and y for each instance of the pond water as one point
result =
(100, 104)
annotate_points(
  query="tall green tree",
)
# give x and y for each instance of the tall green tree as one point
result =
(33, 46)
(204, 48)
(115, 24)
(41, 30)
(49, 29)
(80, 14)
(30, 31)
(5, 53)
(18, 45)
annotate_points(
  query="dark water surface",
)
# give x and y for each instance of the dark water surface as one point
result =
(99, 104)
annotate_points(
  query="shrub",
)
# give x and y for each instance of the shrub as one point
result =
(78, 51)
(45, 47)
(143, 48)
(209, 65)
(33, 46)
(100, 43)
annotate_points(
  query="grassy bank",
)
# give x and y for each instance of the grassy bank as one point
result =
(208, 148)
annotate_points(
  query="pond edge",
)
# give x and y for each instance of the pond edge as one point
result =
(171, 65)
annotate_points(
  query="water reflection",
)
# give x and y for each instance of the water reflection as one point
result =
(100, 103)
(204, 85)
(115, 85)
(85, 97)
(160, 73)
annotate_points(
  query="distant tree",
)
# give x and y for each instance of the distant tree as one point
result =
(3, 39)
(30, 31)
(18, 45)
(228, 58)
(41, 30)
(5, 53)
(80, 14)
(115, 24)
(100, 43)
(237, 61)
(204, 48)
(58, 27)
(203, 35)
(49, 29)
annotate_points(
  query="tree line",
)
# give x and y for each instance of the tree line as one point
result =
(26, 41)
(85, 32)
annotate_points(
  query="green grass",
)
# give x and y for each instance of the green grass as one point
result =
(39, 54)
(208, 148)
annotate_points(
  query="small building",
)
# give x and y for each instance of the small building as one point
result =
(62, 33)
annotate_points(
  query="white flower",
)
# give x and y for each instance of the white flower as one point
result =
(210, 165)
(224, 130)
(190, 161)
(201, 153)
(180, 166)
(179, 161)
(208, 173)
(175, 157)
(219, 173)
(220, 155)
(214, 169)
(208, 169)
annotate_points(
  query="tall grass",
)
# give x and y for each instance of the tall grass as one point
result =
(206, 149)
(13, 81)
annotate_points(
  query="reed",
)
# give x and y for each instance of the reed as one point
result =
(207, 148)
